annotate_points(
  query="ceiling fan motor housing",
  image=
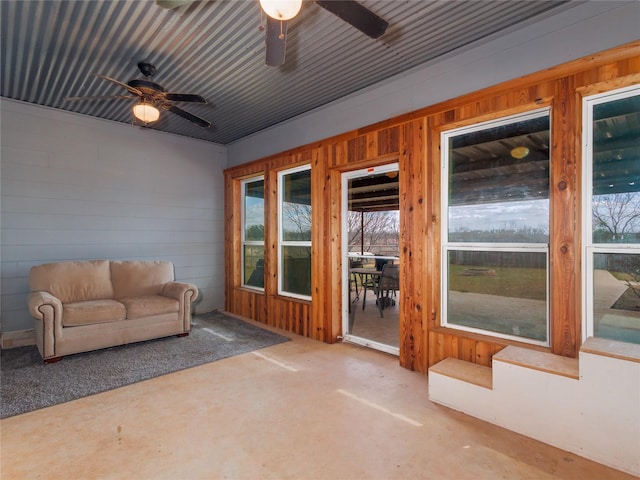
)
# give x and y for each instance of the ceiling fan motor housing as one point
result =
(146, 86)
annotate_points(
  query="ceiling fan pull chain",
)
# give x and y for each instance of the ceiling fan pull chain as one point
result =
(281, 36)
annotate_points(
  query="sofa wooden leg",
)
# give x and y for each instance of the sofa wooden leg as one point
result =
(185, 334)
(52, 360)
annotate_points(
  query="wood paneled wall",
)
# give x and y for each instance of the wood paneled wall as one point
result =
(413, 140)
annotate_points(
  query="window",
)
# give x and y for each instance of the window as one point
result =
(495, 232)
(294, 232)
(253, 232)
(611, 239)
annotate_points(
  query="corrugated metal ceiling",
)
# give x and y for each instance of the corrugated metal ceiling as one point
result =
(214, 48)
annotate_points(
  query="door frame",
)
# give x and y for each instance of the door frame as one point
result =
(344, 234)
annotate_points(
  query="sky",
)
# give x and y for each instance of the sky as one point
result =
(496, 216)
(482, 217)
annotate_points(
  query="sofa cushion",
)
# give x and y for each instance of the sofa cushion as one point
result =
(148, 305)
(73, 281)
(138, 278)
(92, 311)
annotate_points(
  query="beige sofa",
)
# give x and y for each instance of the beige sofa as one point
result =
(87, 305)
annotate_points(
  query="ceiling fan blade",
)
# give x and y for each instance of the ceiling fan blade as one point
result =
(184, 97)
(189, 116)
(275, 39)
(107, 97)
(171, 4)
(357, 16)
(130, 89)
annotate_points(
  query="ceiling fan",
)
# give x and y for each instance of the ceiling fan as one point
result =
(151, 97)
(278, 12)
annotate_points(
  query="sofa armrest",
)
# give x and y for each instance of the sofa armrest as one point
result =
(47, 311)
(185, 293)
(43, 305)
(180, 291)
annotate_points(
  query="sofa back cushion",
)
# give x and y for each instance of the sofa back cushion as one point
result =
(136, 278)
(73, 281)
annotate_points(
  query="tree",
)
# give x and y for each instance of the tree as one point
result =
(255, 232)
(297, 220)
(617, 214)
(615, 217)
(378, 226)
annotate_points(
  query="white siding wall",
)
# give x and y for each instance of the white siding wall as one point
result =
(74, 187)
(587, 28)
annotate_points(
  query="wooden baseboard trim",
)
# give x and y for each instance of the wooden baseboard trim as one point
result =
(19, 338)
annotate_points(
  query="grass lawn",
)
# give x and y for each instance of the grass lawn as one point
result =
(528, 283)
(623, 276)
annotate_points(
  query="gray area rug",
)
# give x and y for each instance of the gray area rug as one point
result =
(27, 384)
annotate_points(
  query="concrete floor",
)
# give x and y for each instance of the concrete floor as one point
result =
(368, 323)
(299, 410)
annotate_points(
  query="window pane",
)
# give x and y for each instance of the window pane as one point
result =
(499, 183)
(254, 211)
(616, 294)
(254, 266)
(502, 292)
(296, 266)
(616, 171)
(296, 206)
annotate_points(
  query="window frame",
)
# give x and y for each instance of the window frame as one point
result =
(447, 245)
(244, 242)
(589, 247)
(282, 243)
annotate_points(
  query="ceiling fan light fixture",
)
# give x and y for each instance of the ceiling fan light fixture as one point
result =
(519, 152)
(146, 112)
(281, 9)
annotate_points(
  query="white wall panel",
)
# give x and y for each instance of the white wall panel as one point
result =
(75, 187)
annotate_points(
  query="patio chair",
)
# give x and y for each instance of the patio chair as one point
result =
(370, 281)
(389, 282)
(352, 278)
(257, 276)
